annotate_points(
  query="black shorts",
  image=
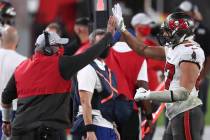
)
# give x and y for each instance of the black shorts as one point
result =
(185, 126)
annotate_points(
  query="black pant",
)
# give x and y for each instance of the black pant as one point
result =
(35, 135)
(185, 125)
(130, 129)
(203, 95)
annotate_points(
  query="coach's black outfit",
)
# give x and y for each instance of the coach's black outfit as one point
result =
(41, 85)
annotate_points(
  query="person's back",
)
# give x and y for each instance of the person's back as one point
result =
(9, 60)
(38, 81)
(43, 84)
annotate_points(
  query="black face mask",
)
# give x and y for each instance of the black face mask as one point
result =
(105, 53)
(162, 39)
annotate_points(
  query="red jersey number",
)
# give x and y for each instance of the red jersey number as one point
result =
(169, 73)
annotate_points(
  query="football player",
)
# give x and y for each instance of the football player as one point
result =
(7, 16)
(185, 60)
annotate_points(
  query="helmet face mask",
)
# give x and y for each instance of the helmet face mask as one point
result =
(7, 13)
(8, 21)
(164, 37)
(176, 29)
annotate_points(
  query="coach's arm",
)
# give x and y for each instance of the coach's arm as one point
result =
(7, 96)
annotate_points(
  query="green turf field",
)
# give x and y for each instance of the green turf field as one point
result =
(207, 117)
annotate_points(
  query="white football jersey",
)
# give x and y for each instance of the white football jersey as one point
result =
(189, 52)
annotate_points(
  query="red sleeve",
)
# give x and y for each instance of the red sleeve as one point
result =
(156, 64)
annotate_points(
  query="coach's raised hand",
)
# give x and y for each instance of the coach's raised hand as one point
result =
(117, 12)
(111, 25)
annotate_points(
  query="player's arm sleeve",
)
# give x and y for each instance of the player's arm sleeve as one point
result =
(69, 65)
(140, 48)
(72, 46)
(143, 76)
(197, 57)
(10, 92)
(179, 94)
(86, 78)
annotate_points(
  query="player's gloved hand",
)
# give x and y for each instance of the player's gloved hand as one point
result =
(141, 94)
(117, 12)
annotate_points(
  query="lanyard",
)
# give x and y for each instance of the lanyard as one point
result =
(109, 83)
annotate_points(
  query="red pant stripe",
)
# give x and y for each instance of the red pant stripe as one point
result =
(187, 126)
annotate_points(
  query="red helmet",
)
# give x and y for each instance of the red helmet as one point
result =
(176, 28)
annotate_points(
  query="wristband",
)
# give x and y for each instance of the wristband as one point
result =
(90, 128)
(6, 122)
(122, 26)
(6, 114)
(172, 95)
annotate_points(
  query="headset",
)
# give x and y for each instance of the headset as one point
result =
(47, 49)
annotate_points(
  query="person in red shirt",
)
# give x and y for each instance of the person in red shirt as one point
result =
(81, 29)
(62, 10)
(142, 25)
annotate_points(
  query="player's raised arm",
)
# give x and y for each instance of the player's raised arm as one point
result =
(156, 52)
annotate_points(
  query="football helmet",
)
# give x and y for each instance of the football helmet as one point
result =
(7, 13)
(175, 29)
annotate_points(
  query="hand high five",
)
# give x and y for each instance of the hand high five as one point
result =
(117, 13)
(111, 24)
